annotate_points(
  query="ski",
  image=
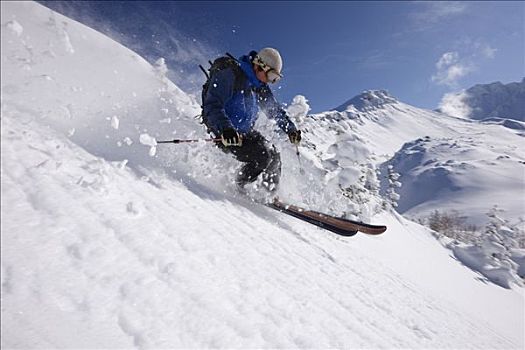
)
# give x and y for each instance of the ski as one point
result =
(340, 226)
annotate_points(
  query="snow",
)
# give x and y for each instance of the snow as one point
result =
(147, 140)
(298, 109)
(476, 258)
(368, 100)
(115, 122)
(456, 173)
(494, 100)
(15, 27)
(106, 244)
(454, 104)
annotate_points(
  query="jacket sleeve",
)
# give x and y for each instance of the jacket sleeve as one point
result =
(269, 104)
(219, 92)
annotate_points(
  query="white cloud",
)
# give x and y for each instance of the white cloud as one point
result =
(447, 59)
(437, 10)
(487, 51)
(433, 12)
(450, 69)
(452, 66)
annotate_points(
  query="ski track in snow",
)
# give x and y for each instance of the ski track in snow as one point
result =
(108, 242)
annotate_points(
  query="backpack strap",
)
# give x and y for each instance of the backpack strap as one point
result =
(230, 56)
(204, 71)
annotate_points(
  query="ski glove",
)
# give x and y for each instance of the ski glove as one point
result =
(295, 137)
(230, 137)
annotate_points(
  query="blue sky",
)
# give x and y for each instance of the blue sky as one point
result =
(332, 51)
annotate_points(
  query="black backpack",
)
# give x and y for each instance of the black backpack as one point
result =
(219, 64)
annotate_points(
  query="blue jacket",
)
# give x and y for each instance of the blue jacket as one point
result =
(225, 107)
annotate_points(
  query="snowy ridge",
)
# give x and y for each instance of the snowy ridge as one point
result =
(107, 119)
(109, 240)
(508, 123)
(367, 101)
(495, 100)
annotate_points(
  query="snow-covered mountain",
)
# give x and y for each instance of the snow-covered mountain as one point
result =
(488, 101)
(445, 163)
(110, 240)
(368, 100)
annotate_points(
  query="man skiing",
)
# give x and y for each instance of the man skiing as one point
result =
(231, 99)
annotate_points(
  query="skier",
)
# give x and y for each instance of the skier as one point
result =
(230, 102)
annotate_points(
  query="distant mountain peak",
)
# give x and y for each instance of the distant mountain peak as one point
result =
(482, 101)
(367, 100)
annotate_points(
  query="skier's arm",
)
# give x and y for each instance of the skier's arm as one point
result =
(270, 105)
(219, 92)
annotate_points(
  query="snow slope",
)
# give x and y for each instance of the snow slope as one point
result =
(109, 242)
(94, 256)
(457, 174)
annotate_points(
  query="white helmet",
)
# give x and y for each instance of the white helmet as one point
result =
(271, 58)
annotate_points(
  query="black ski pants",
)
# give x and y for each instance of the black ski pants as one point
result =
(258, 157)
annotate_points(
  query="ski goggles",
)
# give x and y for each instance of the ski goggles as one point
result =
(272, 75)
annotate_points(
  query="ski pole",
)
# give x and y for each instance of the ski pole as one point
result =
(301, 170)
(190, 141)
